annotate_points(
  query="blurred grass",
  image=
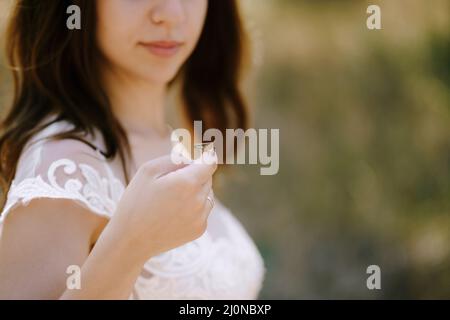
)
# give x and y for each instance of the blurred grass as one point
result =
(365, 151)
(365, 148)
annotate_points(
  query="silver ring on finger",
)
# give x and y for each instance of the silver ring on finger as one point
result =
(211, 200)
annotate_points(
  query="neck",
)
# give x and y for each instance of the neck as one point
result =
(138, 105)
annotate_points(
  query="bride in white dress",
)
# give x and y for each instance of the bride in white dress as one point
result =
(137, 226)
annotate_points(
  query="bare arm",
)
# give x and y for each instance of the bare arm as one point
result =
(41, 240)
(111, 269)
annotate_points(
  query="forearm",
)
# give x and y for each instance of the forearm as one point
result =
(110, 271)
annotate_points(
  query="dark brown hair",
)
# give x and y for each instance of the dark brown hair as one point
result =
(55, 73)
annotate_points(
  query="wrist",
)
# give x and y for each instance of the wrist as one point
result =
(125, 245)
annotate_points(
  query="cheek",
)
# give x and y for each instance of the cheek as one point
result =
(197, 14)
(115, 26)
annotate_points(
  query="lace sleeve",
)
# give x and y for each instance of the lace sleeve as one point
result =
(66, 169)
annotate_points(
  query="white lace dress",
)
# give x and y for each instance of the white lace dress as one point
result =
(223, 263)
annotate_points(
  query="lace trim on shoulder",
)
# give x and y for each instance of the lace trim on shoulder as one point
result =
(99, 194)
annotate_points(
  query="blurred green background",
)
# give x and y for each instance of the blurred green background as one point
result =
(365, 147)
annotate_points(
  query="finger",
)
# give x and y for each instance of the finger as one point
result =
(161, 166)
(201, 171)
(209, 204)
(208, 182)
(180, 154)
(205, 189)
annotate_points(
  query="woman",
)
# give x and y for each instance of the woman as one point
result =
(88, 180)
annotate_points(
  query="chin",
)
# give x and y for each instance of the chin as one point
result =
(158, 76)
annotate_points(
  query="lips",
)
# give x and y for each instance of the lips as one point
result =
(163, 49)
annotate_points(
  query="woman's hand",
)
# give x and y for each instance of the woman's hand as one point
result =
(165, 205)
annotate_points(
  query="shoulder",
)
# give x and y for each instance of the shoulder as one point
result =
(64, 169)
(41, 150)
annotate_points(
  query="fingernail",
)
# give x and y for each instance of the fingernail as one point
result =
(210, 157)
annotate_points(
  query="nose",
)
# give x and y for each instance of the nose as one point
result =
(168, 13)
